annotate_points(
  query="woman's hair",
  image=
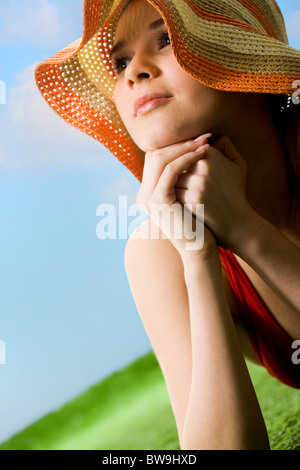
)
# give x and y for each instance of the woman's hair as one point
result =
(282, 108)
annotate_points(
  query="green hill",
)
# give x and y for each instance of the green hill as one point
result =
(130, 410)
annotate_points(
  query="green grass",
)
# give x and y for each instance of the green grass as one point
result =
(131, 411)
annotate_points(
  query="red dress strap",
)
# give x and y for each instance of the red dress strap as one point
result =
(272, 345)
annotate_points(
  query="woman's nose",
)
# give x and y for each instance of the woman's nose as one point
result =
(141, 68)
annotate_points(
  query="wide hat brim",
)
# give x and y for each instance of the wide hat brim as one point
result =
(239, 49)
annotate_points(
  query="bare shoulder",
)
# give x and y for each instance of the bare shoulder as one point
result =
(153, 266)
(148, 244)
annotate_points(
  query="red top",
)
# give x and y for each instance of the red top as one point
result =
(272, 345)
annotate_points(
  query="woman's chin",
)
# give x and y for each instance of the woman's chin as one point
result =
(155, 142)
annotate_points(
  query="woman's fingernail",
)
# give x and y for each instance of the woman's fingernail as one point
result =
(204, 136)
(202, 148)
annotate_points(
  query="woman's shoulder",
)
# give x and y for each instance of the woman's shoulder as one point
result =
(148, 245)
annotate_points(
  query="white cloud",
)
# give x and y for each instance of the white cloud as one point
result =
(293, 28)
(23, 21)
(33, 136)
(36, 21)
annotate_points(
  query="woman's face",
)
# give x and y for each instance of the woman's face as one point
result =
(159, 103)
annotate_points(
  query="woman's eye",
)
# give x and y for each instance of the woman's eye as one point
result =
(120, 63)
(163, 39)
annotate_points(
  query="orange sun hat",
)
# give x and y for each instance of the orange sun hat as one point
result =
(236, 45)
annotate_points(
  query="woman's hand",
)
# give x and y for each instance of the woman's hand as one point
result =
(158, 196)
(218, 181)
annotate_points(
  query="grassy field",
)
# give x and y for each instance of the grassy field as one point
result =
(130, 411)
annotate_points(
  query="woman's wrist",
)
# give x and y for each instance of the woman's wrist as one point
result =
(201, 262)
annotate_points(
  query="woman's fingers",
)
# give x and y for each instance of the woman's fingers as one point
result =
(189, 178)
(158, 197)
(157, 160)
(174, 169)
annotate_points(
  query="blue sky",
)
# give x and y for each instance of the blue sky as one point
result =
(67, 315)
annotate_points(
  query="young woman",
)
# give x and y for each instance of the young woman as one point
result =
(192, 98)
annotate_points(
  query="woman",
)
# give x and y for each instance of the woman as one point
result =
(186, 96)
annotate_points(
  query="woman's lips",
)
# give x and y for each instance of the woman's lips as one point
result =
(147, 102)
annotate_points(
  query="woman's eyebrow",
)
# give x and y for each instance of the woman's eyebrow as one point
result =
(152, 26)
(119, 45)
(156, 24)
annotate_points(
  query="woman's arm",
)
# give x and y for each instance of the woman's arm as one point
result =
(186, 316)
(272, 256)
(223, 412)
(221, 180)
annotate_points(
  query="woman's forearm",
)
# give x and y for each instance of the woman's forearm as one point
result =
(272, 256)
(223, 412)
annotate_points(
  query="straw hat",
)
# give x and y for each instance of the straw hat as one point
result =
(229, 45)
